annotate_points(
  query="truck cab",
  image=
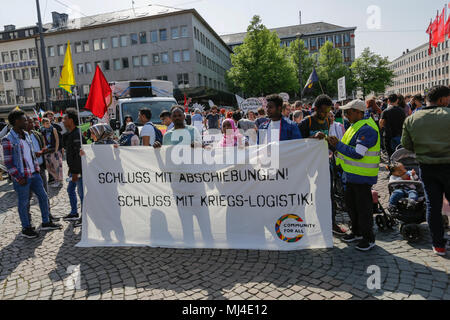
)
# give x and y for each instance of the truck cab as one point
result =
(131, 96)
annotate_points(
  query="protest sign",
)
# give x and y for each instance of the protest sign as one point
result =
(285, 96)
(251, 104)
(138, 196)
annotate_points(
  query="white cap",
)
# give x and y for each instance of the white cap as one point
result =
(355, 104)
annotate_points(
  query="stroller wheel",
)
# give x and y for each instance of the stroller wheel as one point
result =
(381, 222)
(390, 222)
(410, 232)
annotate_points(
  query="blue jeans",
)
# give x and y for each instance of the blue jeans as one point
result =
(436, 180)
(36, 185)
(73, 196)
(395, 142)
(399, 194)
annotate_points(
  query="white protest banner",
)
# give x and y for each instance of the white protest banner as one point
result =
(239, 100)
(342, 93)
(198, 106)
(251, 104)
(138, 196)
(285, 96)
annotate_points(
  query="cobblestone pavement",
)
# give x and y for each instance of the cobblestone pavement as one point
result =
(37, 269)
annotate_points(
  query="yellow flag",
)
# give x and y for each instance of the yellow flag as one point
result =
(67, 79)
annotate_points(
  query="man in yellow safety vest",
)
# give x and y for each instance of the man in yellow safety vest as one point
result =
(358, 153)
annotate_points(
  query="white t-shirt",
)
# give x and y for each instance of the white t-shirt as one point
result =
(27, 155)
(149, 131)
(275, 127)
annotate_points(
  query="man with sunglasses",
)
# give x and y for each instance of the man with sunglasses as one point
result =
(358, 153)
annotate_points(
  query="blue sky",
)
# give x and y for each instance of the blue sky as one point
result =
(402, 22)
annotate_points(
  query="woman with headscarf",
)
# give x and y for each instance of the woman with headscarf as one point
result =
(231, 135)
(102, 134)
(128, 137)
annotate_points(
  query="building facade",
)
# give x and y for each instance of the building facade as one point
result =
(20, 82)
(313, 34)
(416, 71)
(138, 45)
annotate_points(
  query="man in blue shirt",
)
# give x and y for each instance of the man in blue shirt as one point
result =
(359, 156)
(277, 128)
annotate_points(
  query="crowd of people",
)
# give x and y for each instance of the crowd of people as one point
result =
(356, 132)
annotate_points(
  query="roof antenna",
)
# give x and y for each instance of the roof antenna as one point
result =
(300, 17)
(132, 5)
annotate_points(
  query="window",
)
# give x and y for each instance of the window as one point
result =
(347, 40)
(338, 40)
(177, 56)
(60, 50)
(78, 47)
(7, 76)
(186, 55)
(183, 79)
(86, 90)
(52, 72)
(175, 32)
(184, 31)
(165, 57)
(88, 67)
(86, 46)
(143, 37)
(117, 64)
(199, 80)
(14, 56)
(106, 65)
(115, 42)
(134, 39)
(123, 41)
(205, 83)
(26, 74)
(145, 61)
(104, 44)
(34, 73)
(156, 58)
(28, 94)
(33, 53)
(321, 42)
(80, 68)
(154, 36)
(313, 42)
(125, 63)
(10, 98)
(96, 43)
(164, 78)
(23, 54)
(162, 34)
(5, 57)
(136, 61)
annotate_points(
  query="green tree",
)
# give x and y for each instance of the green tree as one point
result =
(297, 50)
(371, 73)
(330, 68)
(260, 65)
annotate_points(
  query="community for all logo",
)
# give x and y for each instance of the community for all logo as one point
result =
(291, 228)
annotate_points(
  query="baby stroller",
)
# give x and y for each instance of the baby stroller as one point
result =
(409, 216)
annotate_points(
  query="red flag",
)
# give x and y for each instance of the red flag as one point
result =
(100, 96)
(434, 32)
(430, 37)
(185, 100)
(447, 25)
(61, 113)
(441, 27)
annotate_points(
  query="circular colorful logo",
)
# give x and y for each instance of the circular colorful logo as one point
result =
(289, 232)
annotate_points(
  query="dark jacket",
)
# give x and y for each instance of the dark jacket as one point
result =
(72, 144)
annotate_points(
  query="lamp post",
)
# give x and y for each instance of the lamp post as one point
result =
(300, 71)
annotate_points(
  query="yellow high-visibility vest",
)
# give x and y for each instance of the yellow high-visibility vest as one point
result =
(369, 166)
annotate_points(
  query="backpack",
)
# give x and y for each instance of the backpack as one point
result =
(125, 140)
(158, 133)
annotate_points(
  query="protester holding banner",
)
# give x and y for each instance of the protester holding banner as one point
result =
(317, 125)
(73, 147)
(181, 134)
(166, 119)
(231, 135)
(287, 130)
(23, 168)
(359, 157)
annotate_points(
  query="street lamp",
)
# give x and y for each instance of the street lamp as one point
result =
(300, 73)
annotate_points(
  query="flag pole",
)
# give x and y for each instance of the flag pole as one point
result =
(75, 91)
(321, 87)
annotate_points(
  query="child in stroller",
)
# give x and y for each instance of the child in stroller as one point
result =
(407, 196)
